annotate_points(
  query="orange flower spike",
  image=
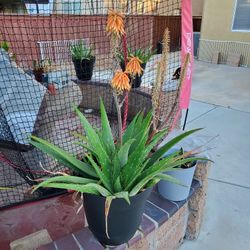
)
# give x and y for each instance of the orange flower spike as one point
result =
(115, 23)
(134, 66)
(120, 81)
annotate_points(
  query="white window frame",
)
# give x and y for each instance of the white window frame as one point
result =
(234, 13)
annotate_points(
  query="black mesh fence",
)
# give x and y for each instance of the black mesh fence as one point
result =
(39, 81)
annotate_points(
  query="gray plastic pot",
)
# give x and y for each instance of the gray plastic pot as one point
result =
(175, 192)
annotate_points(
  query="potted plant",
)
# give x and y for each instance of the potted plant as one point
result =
(143, 55)
(5, 46)
(116, 177)
(83, 60)
(184, 173)
(116, 173)
(41, 68)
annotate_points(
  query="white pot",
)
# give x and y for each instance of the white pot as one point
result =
(175, 192)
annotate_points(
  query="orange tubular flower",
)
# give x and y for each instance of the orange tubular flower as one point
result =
(134, 66)
(120, 82)
(115, 23)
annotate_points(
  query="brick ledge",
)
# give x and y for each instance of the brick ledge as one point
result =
(158, 213)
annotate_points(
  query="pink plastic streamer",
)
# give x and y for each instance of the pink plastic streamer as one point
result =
(187, 47)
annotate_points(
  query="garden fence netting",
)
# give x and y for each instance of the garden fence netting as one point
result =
(39, 85)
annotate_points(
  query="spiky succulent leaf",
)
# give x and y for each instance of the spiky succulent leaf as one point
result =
(164, 149)
(106, 133)
(63, 157)
(104, 178)
(124, 151)
(95, 144)
(123, 195)
(91, 188)
(65, 179)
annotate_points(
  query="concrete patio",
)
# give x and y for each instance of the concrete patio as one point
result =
(221, 104)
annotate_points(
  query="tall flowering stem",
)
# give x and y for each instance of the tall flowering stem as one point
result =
(160, 79)
(125, 52)
(182, 78)
(120, 82)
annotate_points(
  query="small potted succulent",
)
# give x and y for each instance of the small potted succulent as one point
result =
(184, 173)
(41, 68)
(5, 46)
(143, 55)
(83, 60)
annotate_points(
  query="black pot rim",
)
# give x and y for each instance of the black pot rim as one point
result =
(100, 224)
(130, 197)
(84, 59)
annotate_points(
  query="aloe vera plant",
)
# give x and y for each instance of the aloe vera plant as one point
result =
(80, 52)
(110, 169)
(143, 54)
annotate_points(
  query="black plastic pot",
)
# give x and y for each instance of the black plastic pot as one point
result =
(123, 219)
(84, 68)
(38, 73)
(137, 80)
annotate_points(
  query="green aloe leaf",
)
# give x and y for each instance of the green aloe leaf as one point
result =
(129, 132)
(80, 136)
(152, 182)
(167, 164)
(169, 178)
(117, 185)
(142, 127)
(91, 188)
(85, 146)
(161, 151)
(62, 156)
(104, 179)
(65, 179)
(95, 143)
(123, 152)
(138, 154)
(115, 171)
(123, 195)
(107, 135)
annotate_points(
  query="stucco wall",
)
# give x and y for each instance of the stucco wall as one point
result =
(217, 22)
(198, 7)
(217, 34)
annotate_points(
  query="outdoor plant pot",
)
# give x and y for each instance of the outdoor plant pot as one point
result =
(123, 219)
(84, 68)
(176, 192)
(38, 73)
(138, 79)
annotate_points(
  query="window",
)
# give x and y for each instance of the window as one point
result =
(241, 20)
(72, 7)
(82, 7)
(35, 7)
